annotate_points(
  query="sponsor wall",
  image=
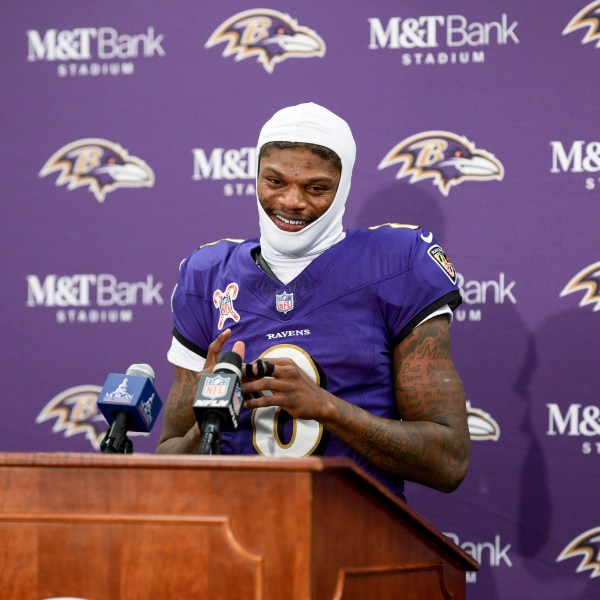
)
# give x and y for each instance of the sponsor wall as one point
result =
(128, 137)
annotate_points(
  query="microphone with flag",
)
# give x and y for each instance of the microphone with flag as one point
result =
(129, 403)
(218, 401)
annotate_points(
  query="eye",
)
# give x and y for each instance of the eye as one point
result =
(458, 153)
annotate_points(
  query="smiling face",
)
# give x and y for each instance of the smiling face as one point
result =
(295, 186)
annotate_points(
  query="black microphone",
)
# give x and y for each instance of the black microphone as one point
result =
(129, 403)
(218, 401)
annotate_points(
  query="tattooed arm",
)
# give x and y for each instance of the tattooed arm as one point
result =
(430, 445)
(180, 432)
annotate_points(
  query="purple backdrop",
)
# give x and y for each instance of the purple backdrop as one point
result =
(127, 141)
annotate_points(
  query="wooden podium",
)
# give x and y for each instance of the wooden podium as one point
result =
(105, 527)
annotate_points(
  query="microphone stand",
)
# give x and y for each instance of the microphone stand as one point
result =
(116, 441)
(210, 441)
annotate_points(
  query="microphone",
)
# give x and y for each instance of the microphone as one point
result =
(218, 401)
(129, 403)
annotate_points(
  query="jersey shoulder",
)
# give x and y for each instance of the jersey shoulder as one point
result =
(213, 254)
(205, 263)
(384, 243)
(398, 234)
(393, 247)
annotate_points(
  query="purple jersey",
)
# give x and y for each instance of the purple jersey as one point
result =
(340, 320)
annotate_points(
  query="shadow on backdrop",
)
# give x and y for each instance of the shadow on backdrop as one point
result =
(559, 375)
(402, 203)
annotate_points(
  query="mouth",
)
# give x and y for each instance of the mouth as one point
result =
(287, 224)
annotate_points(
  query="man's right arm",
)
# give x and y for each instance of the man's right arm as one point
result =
(180, 432)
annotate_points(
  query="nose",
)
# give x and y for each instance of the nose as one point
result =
(293, 198)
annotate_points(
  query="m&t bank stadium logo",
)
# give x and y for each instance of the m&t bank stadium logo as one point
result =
(100, 165)
(92, 51)
(268, 35)
(441, 39)
(444, 157)
(577, 157)
(91, 298)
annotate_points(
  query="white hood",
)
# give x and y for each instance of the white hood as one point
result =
(288, 253)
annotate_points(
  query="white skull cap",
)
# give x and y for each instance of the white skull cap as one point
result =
(314, 124)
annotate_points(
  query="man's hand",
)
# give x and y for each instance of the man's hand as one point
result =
(288, 387)
(180, 432)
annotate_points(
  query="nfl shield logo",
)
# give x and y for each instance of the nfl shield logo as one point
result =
(284, 302)
(215, 387)
(225, 306)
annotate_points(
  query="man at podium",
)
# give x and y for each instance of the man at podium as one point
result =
(345, 331)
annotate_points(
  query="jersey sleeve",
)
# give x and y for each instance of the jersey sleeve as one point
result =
(425, 282)
(191, 315)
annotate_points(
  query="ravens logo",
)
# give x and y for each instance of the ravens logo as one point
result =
(588, 281)
(587, 545)
(269, 35)
(587, 17)
(76, 411)
(442, 260)
(99, 164)
(445, 157)
(482, 426)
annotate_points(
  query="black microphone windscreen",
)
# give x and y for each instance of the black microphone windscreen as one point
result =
(230, 361)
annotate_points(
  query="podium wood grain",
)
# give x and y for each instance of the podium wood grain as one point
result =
(143, 527)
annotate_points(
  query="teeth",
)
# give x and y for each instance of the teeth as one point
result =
(289, 221)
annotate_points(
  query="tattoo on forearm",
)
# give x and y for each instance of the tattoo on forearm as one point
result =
(430, 400)
(181, 399)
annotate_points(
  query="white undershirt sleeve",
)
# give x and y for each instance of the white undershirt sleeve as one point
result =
(445, 310)
(181, 356)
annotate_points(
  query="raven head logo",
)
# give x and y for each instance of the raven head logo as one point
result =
(269, 35)
(99, 164)
(445, 157)
(587, 545)
(588, 281)
(482, 426)
(76, 411)
(589, 17)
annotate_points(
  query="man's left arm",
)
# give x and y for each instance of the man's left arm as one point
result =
(430, 445)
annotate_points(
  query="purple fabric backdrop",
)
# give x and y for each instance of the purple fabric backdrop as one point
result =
(180, 89)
